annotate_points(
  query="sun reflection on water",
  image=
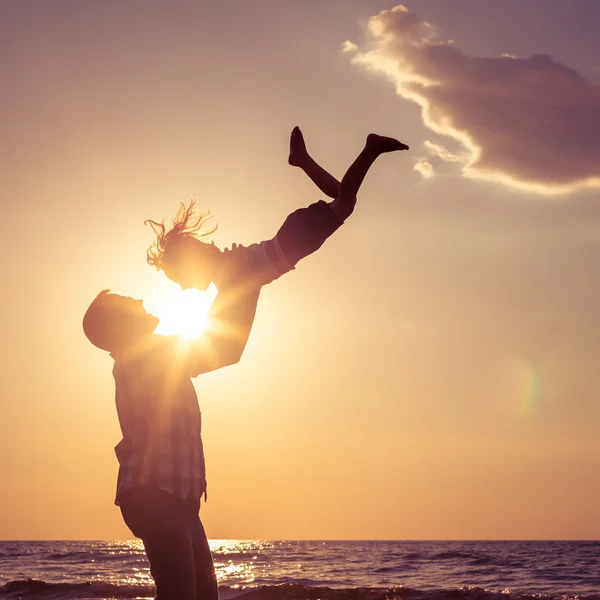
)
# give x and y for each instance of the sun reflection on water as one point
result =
(236, 560)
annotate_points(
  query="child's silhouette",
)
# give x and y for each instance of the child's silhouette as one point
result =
(192, 263)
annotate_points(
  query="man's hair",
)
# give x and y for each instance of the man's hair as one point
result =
(187, 223)
(98, 323)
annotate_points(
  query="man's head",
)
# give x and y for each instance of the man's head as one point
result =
(114, 322)
(180, 251)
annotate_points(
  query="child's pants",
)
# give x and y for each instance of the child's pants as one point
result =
(306, 229)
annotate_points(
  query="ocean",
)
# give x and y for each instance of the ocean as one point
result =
(315, 570)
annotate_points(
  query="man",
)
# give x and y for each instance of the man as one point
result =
(162, 472)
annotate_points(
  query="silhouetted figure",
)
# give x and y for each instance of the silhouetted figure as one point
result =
(162, 471)
(192, 263)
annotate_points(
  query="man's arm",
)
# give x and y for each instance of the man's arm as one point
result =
(230, 321)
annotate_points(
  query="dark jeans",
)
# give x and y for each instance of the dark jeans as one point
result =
(175, 543)
(305, 230)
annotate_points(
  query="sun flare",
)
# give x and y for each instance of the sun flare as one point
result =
(184, 313)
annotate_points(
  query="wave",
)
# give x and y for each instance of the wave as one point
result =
(85, 557)
(235, 555)
(451, 555)
(295, 591)
(33, 589)
(99, 555)
(72, 555)
(482, 560)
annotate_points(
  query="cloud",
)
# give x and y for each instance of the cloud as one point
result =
(425, 168)
(531, 123)
(445, 154)
(349, 46)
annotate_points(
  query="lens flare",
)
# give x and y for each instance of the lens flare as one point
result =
(527, 389)
(516, 388)
(184, 313)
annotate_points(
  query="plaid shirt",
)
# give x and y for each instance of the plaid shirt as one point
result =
(160, 421)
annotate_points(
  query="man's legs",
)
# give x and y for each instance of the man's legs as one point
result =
(206, 579)
(163, 523)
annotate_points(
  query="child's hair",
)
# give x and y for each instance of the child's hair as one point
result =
(186, 223)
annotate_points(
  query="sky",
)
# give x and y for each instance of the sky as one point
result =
(430, 373)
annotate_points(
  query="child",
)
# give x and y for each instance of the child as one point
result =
(192, 263)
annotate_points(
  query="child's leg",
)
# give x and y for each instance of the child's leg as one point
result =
(344, 193)
(376, 145)
(299, 157)
(305, 230)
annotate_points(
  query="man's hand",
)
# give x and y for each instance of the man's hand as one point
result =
(248, 266)
(231, 270)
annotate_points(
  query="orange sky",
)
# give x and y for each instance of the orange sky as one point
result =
(431, 373)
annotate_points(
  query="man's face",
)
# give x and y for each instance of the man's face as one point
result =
(132, 316)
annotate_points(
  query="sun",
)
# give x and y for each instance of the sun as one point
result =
(184, 313)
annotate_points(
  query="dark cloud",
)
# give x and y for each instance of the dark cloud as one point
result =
(530, 122)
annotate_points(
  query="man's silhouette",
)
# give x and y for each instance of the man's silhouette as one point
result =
(162, 472)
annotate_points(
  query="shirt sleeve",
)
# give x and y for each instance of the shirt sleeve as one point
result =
(260, 263)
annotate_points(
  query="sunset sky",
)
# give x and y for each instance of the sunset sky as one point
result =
(430, 373)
